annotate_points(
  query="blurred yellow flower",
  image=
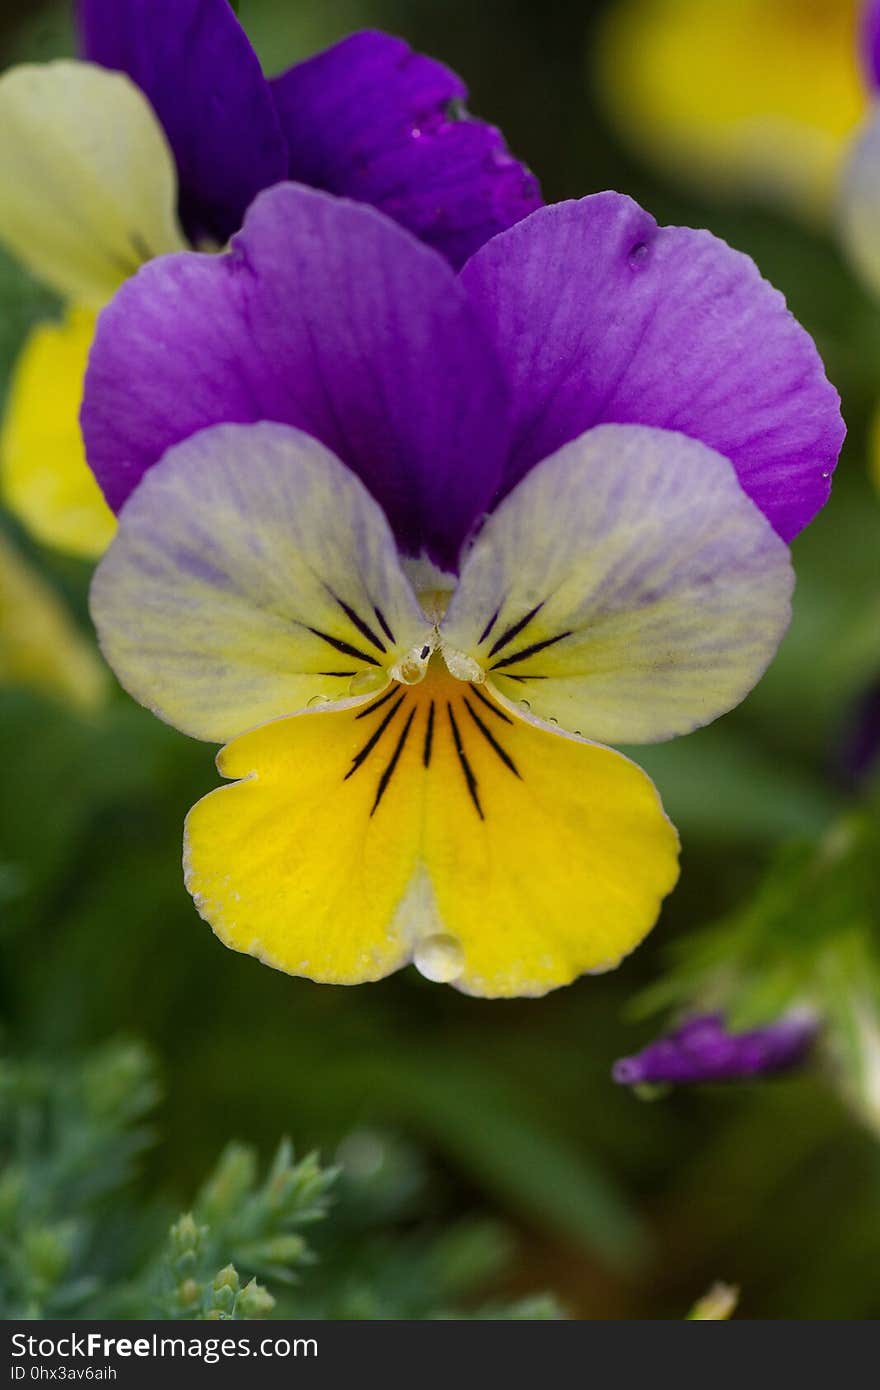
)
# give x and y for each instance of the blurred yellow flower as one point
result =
(757, 94)
(46, 480)
(83, 203)
(40, 646)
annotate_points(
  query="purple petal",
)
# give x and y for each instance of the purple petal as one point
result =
(701, 1049)
(326, 316)
(372, 120)
(602, 317)
(870, 42)
(195, 63)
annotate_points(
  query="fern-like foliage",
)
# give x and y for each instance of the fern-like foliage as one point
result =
(78, 1241)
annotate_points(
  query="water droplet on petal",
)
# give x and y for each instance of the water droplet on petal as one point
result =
(524, 704)
(363, 682)
(462, 666)
(316, 700)
(439, 958)
(498, 158)
(414, 665)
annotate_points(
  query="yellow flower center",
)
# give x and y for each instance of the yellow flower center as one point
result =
(438, 703)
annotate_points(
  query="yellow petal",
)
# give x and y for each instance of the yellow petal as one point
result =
(46, 481)
(737, 93)
(39, 645)
(88, 185)
(430, 825)
(627, 588)
(253, 575)
(289, 864)
(548, 856)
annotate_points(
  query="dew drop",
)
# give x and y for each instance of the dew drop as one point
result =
(410, 672)
(637, 256)
(498, 159)
(524, 704)
(315, 701)
(414, 665)
(363, 682)
(462, 666)
(439, 958)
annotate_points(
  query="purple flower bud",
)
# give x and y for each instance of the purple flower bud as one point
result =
(702, 1049)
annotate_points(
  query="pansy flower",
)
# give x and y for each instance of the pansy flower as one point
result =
(703, 1049)
(416, 545)
(159, 139)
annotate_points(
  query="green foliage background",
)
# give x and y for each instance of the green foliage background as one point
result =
(505, 1110)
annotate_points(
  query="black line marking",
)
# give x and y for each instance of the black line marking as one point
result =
(491, 739)
(475, 690)
(382, 700)
(489, 626)
(508, 676)
(466, 768)
(363, 628)
(395, 758)
(526, 652)
(383, 624)
(337, 673)
(429, 738)
(360, 758)
(345, 647)
(509, 633)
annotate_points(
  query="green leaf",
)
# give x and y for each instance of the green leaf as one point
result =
(505, 1142)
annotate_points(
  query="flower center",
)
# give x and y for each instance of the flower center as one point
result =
(461, 726)
(436, 653)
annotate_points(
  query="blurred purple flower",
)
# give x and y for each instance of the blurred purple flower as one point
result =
(859, 754)
(702, 1049)
(367, 119)
(871, 42)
